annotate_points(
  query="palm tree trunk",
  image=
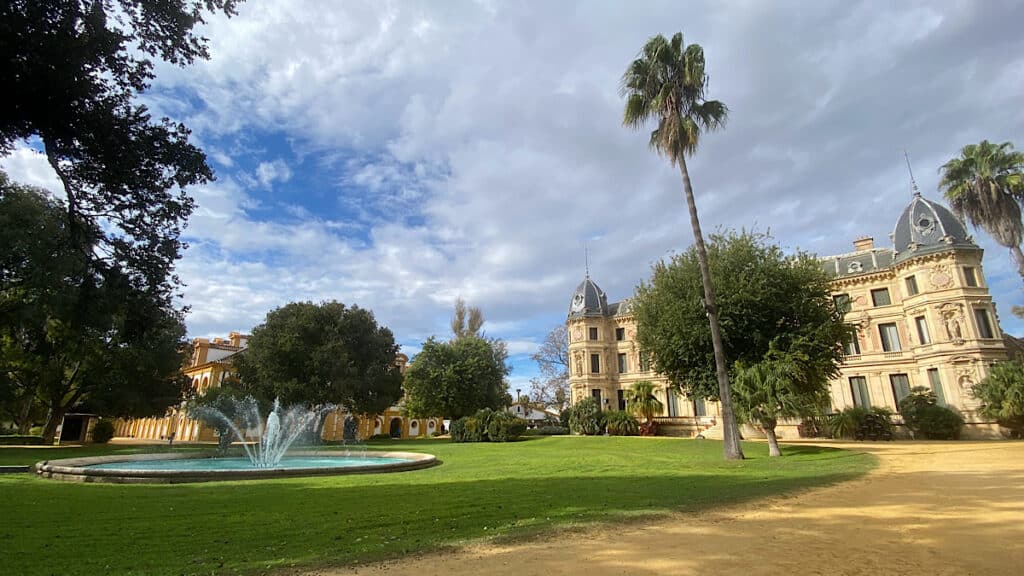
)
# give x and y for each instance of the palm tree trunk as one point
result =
(730, 432)
(1018, 257)
(773, 441)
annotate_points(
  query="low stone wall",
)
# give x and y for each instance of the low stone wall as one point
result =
(78, 469)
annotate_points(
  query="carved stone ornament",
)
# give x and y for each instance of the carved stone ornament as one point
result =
(577, 357)
(953, 321)
(940, 277)
(577, 335)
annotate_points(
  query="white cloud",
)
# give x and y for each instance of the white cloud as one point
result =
(29, 166)
(476, 147)
(269, 172)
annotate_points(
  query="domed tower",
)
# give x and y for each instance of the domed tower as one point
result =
(926, 227)
(590, 373)
(923, 314)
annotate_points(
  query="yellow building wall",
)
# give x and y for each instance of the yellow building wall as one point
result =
(955, 347)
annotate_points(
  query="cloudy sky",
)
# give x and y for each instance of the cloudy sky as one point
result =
(397, 155)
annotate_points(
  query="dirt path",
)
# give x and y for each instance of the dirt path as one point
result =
(930, 508)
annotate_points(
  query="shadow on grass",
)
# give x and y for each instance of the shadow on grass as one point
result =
(257, 525)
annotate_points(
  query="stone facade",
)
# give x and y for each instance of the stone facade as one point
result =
(922, 310)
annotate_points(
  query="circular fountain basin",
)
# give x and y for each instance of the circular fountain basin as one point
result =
(178, 468)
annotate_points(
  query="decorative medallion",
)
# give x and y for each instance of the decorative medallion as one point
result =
(940, 277)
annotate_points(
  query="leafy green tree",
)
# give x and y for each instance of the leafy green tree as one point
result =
(552, 387)
(641, 401)
(667, 83)
(79, 66)
(985, 184)
(319, 354)
(75, 333)
(1002, 396)
(775, 389)
(770, 303)
(455, 379)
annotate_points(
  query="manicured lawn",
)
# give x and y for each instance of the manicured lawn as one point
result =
(480, 490)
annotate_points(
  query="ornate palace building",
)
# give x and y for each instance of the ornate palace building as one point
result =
(922, 310)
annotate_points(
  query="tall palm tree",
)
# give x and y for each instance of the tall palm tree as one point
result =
(986, 185)
(641, 401)
(667, 83)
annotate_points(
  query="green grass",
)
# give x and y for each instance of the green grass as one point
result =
(480, 490)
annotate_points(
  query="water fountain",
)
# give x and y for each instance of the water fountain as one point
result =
(265, 444)
(283, 427)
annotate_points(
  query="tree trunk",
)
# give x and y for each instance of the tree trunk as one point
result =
(730, 431)
(773, 442)
(50, 430)
(1018, 257)
(25, 416)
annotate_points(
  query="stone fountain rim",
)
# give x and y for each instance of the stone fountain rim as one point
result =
(77, 469)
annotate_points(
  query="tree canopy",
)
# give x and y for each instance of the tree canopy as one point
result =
(76, 68)
(552, 387)
(985, 185)
(456, 378)
(318, 354)
(776, 388)
(74, 333)
(769, 301)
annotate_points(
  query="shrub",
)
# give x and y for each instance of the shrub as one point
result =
(1002, 396)
(380, 437)
(102, 431)
(586, 417)
(457, 430)
(814, 427)
(21, 440)
(919, 399)
(620, 423)
(939, 423)
(350, 430)
(488, 426)
(874, 425)
(475, 429)
(563, 418)
(845, 423)
(552, 430)
(505, 427)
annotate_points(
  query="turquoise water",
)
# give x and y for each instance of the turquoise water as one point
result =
(211, 464)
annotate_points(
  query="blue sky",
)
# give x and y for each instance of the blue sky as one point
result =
(397, 155)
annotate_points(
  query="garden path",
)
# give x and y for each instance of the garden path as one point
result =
(929, 508)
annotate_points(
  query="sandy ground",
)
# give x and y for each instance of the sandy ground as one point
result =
(929, 509)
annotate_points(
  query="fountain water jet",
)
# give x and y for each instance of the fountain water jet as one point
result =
(282, 429)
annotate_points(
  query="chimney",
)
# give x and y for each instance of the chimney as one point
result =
(863, 243)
